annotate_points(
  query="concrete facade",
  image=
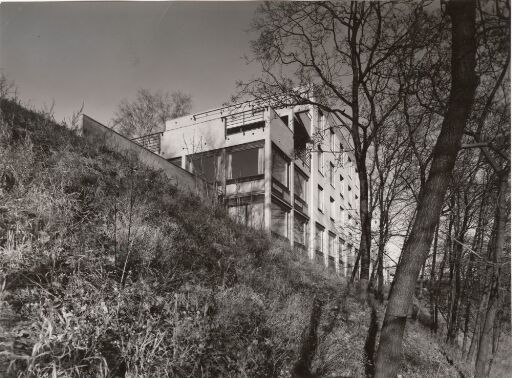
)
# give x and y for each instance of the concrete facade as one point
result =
(264, 164)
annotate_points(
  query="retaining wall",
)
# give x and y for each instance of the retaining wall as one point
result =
(98, 133)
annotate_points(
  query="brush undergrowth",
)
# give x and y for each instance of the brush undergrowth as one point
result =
(111, 271)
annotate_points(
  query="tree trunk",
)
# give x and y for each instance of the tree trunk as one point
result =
(433, 284)
(365, 243)
(415, 252)
(380, 274)
(484, 345)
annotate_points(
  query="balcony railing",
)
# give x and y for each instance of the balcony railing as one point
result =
(304, 156)
(244, 121)
(151, 142)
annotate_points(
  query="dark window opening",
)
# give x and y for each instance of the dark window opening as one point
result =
(245, 128)
(280, 167)
(245, 163)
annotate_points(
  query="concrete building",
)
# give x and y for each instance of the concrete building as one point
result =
(264, 165)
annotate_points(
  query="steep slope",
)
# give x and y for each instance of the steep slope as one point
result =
(108, 270)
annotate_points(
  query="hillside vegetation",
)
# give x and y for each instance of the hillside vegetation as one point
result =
(107, 270)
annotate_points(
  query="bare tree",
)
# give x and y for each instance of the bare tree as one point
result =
(431, 198)
(149, 111)
(342, 57)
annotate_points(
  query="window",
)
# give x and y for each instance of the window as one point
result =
(332, 141)
(332, 243)
(248, 213)
(349, 258)
(279, 223)
(331, 252)
(342, 214)
(331, 174)
(245, 163)
(301, 184)
(319, 239)
(205, 166)
(320, 198)
(320, 162)
(341, 244)
(332, 209)
(300, 230)
(321, 121)
(280, 167)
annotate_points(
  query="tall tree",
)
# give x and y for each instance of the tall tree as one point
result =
(149, 111)
(340, 56)
(462, 90)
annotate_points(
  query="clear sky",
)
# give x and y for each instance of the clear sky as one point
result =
(99, 53)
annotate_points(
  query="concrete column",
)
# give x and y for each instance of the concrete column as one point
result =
(268, 172)
(291, 184)
(337, 245)
(312, 189)
(327, 237)
(292, 193)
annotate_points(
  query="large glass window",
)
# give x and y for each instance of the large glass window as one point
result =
(280, 167)
(249, 214)
(279, 220)
(205, 166)
(301, 185)
(331, 174)
(332, 141)
(245, 163)
(300, 230)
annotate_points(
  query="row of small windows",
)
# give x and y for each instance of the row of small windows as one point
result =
(343, 249)
(332, 207)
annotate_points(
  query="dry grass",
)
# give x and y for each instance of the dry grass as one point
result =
(111, 271)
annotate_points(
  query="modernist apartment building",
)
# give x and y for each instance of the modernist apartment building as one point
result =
(271, 175)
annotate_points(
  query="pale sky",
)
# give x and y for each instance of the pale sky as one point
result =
(99, 53)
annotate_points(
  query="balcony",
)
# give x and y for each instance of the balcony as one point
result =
(244, 121)
(304, 155)
(151, 142)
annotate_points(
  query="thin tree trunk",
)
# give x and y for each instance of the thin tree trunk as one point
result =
(495, 345)
(463, 86)
(485, 343)
(433, 283)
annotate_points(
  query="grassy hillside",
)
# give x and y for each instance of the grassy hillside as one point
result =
(110, 271)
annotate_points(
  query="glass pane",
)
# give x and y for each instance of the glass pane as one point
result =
(279, 220)
(205, 167)
(300, 182)
(279, 168)
(319, 239)
(244, 163)
(255, 215)
(238, 213)
(300, 230)
(332, 239)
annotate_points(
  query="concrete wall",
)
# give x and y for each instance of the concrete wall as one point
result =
(204, 132)
(95, 132)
